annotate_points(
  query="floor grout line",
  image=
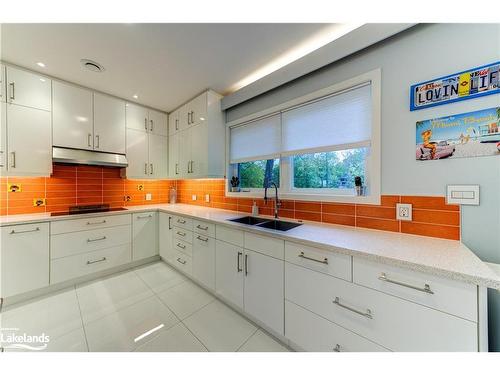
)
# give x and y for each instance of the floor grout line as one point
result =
(81, 318)
(248, 339)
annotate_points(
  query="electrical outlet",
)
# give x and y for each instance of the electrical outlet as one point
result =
(207, 198)
(193, 197)
(140, 187)
(403, 211)
(148, 196)
(38, 202)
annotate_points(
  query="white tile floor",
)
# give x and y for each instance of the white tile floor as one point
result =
(150, 309)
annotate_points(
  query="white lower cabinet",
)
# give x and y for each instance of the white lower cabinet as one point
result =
(183, 262)
(24, 258)
(204, 260)
(394, 323)
(145, 235)
(229, 277)
(312, 333)
(165, 229)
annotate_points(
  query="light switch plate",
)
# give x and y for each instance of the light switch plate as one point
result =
(404, 211)
(148, 196)
(207, 198)
(462, 194)
(193, 197)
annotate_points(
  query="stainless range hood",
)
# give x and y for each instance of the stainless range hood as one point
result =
(72, 156)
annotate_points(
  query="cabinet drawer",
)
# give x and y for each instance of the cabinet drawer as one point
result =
(183, 234)
(266, 245)
(66, 244)
(67, 268)
(338, 265)
(394, 323)
(184, 247)
(74, 225)
(313, 333)
(183, 222)
(204, 228)
(229, 235)
(450, 296)
(183, 262)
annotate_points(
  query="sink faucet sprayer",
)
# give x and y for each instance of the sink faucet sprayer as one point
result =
(277, 203)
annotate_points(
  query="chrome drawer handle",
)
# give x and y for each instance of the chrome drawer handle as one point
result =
(180, 221)
(238, 262)
(96, 222)
(24, 231)
(96, 261)
(425, 289)
(181, 234)
(202, 228)
(202, 239)
(144, 217)
(181, 261)
(337, 348)
(96, 239)
(181, 246)
(302, 255)
(367, 314)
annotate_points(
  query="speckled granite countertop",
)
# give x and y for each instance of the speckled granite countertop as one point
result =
(440, 257)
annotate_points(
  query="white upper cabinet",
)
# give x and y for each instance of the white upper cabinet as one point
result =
(72, 120)
(29, 143)
(3, 137)
(173, 122)
(197, 109)
(158, 155)
(3, 97)
(28, 89)
(137, 117)
(173, 156)
(137, 154)
(199, 150)
(158, 123)
(109, 124)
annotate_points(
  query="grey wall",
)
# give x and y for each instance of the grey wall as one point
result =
(419, 54)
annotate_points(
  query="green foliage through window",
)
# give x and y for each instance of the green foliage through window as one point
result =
(252, 174)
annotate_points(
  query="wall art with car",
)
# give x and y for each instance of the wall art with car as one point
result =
(462, 135)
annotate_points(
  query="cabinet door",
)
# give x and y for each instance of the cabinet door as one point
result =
(229, 277)
(198, 109)
(264, 289)
(184, 154)
(144, 243)
(109, 124)
(3, 97)
(28, 89)
(3, 137)
(72, 120)
(24, 258)
(158, 167)
(165, 237)
(173, 156)
(137, 154)
(28, 141)
(184, 117)
(136, 117)
(204, 260)
(173, 122)
(158, 123)
(199, 150)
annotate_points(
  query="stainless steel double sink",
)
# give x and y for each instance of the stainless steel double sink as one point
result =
(266, 223)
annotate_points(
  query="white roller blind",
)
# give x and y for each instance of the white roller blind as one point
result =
(340, 121)
(256, 140)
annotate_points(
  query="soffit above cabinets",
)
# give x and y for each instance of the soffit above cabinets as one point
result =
(164, 64)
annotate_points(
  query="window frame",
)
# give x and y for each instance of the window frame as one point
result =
(373, 160)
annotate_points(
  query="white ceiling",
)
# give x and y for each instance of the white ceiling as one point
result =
(165, 64)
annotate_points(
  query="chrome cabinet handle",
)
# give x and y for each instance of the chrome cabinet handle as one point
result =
(189, 167)
(367, 314)
(96, 239)
(2, 164)
(96, 261)
(181, 261)
(180, 221)
(181, 234)
(152, 124)
(13, 231)
(337, 348)
(425, 289)
(192, 168)
(96, 222)
(145, 168)
(144, 216)
(202, 228)
(146, 123)
(204, 239)
(13, 159)
(97, 141)
(181, 246)
(89, 140)
(176, 124)
(151, 171)
(189, 117)
(302, 255)
(170, 222)
(246, 264)
(238, 261)
(192, 117)
(12, 89)
(176, 168)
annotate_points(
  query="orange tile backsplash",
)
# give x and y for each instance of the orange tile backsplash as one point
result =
(71, 185)
(431, 215)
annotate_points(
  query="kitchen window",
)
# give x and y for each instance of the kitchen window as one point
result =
(314, 147)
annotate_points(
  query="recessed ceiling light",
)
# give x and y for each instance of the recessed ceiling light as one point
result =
(40, 64)
(93, 66)
(135, 96)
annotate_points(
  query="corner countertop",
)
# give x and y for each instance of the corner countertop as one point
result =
(440, 257)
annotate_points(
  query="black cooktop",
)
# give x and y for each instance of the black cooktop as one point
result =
(88, 209)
